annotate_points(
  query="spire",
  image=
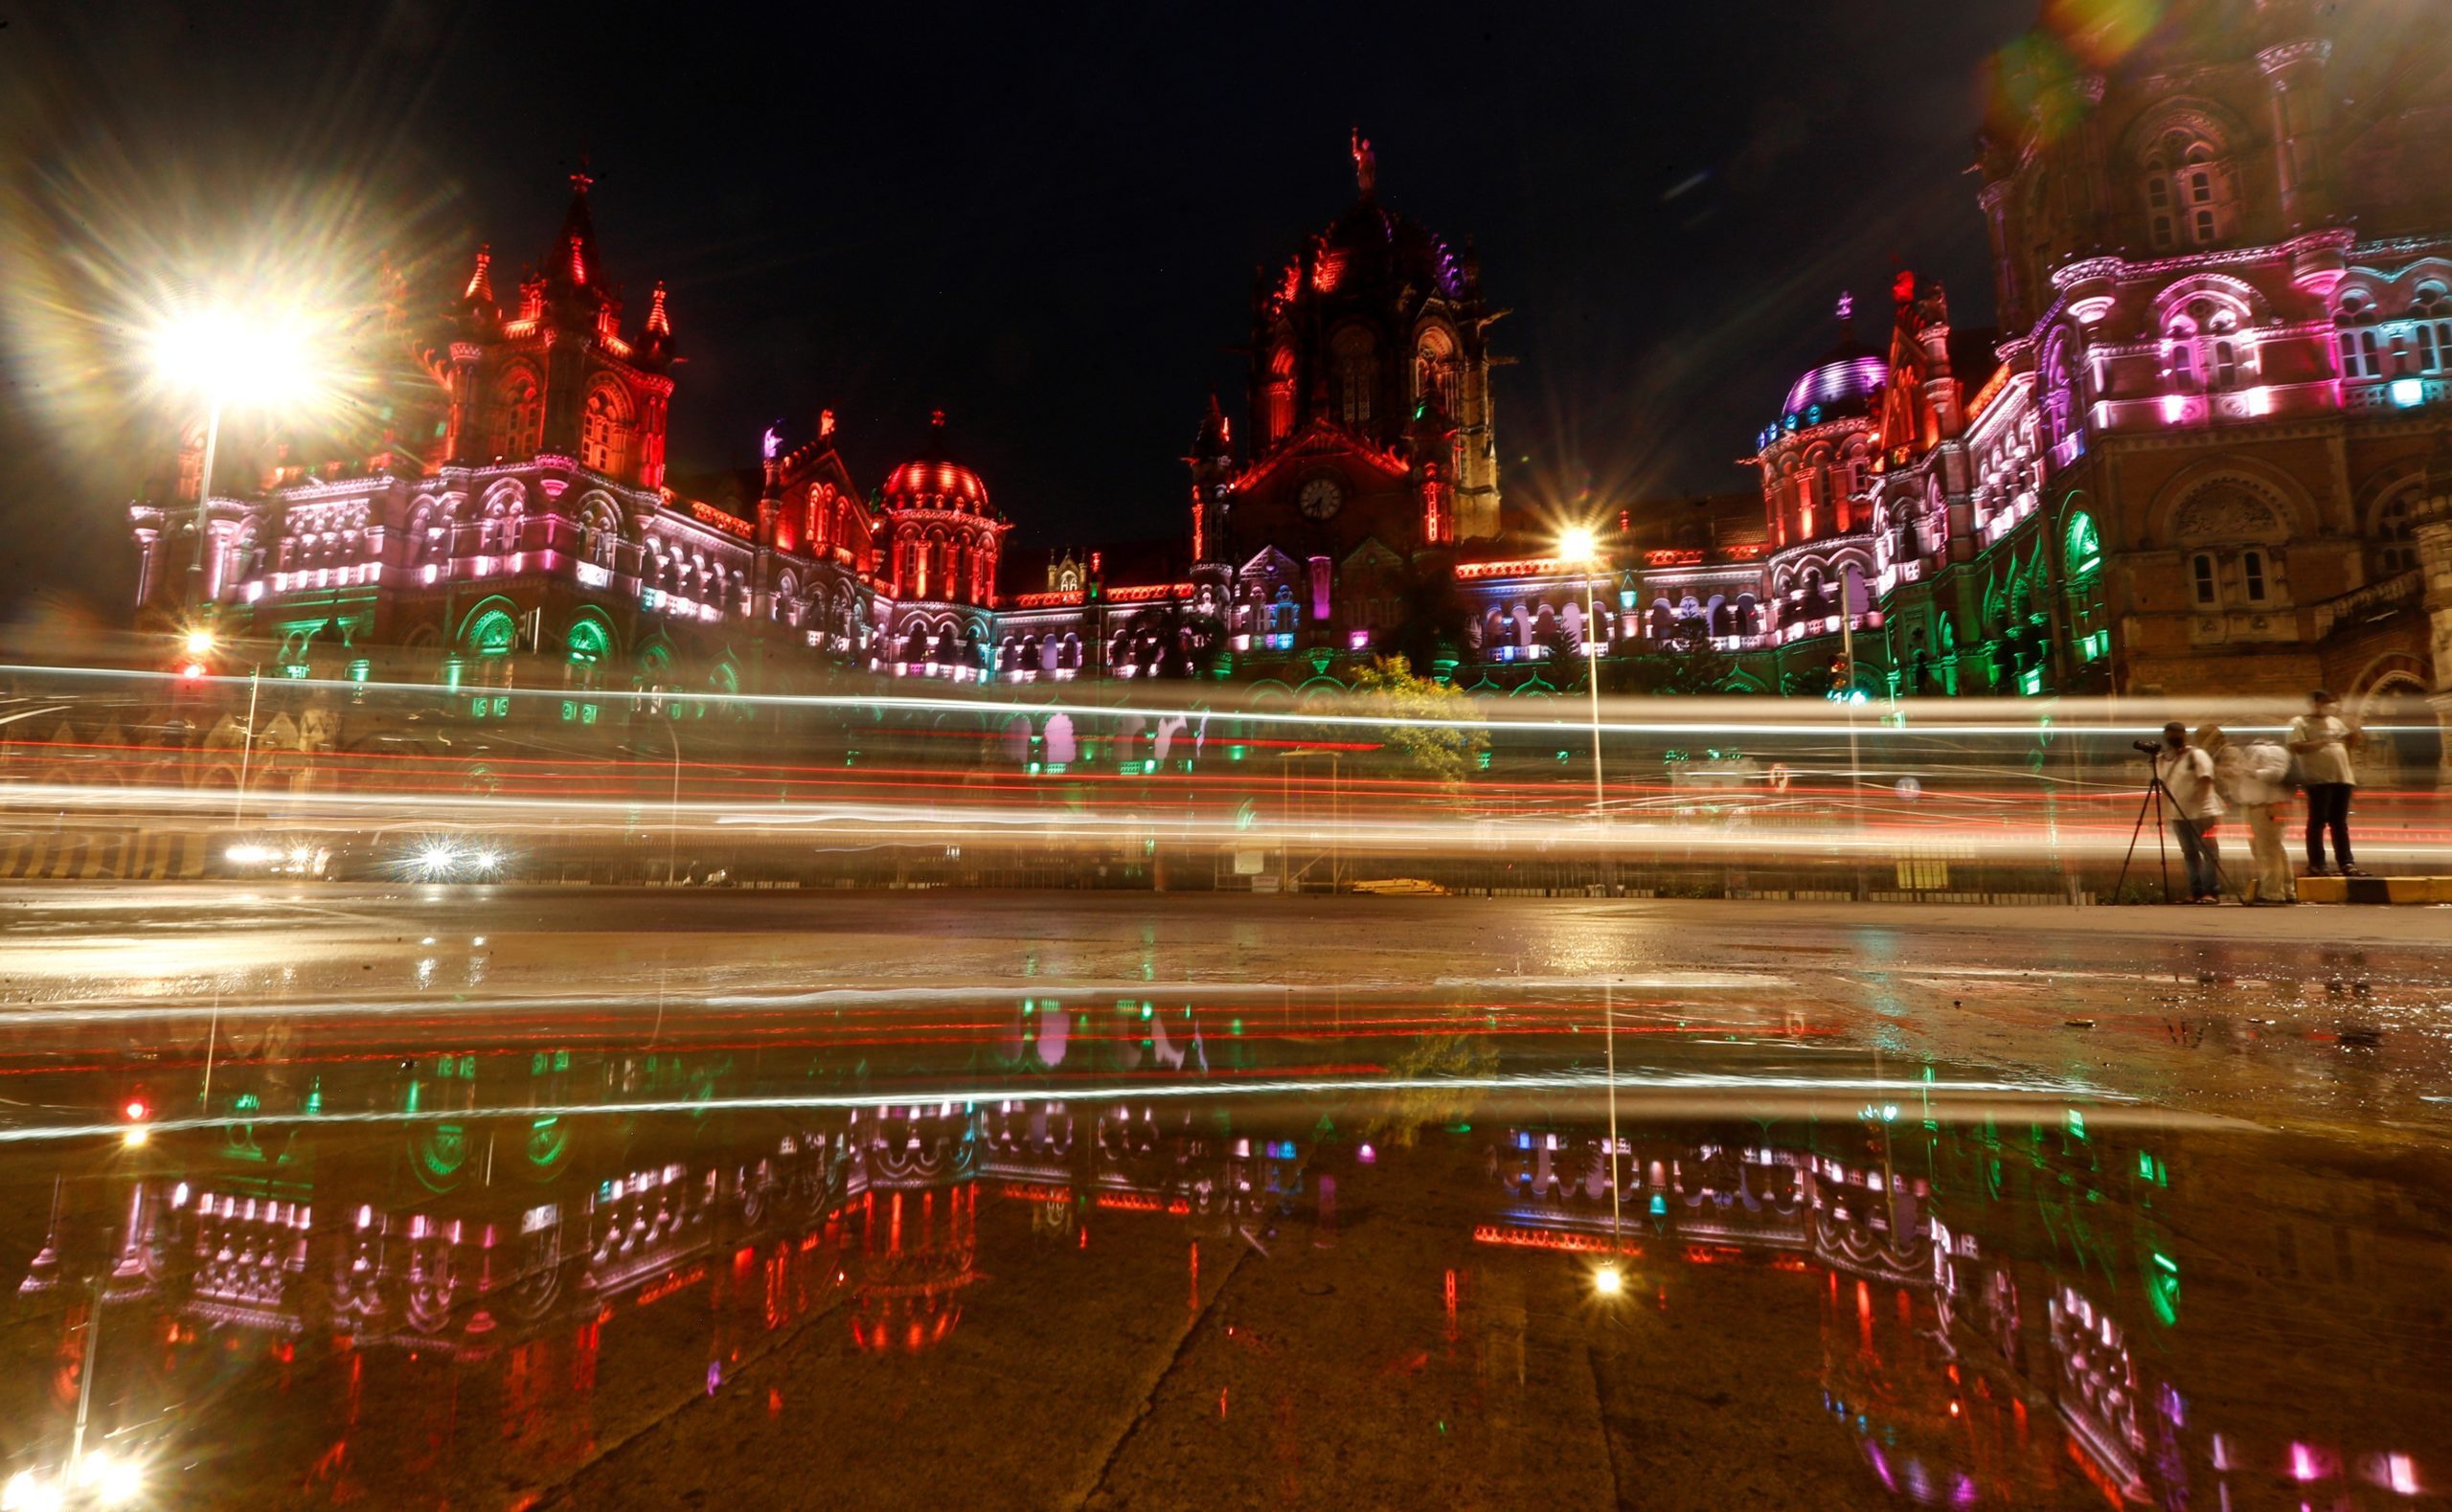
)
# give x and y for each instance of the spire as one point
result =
(573, 256)
(659, 324)
(1366, 162)
(481, 281)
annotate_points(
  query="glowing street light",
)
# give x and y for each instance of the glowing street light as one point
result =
(1609, 1281)
(232, 359)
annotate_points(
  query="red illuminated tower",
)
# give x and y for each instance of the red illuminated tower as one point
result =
(557, 376)
(1370, 390)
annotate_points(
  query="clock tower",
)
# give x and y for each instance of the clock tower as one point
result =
(1370, 392)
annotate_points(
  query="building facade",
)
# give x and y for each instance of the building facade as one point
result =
(2191, 459)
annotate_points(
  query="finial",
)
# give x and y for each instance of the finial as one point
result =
(1847, 307)
(1366, 162)
(659, 324)
(771, 444)
(481, 283)
(825, 425)
(581, 178)
(936, 420)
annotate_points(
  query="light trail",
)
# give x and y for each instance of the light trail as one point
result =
(1116, 1092)
(1704, 716)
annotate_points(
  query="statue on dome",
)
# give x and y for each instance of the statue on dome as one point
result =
(1366, 162)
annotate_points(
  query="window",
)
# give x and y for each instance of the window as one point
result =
(604, 437)
(1356, 375)
(2393, 543)
(2081, 549)
(2251, 574)
(2203, 584)
(2360, 357)
(2226, 365)
(2158, 201)
(2184, 368)
(521, 414)
(2187, 189)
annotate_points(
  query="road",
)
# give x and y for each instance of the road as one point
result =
(582, 1197)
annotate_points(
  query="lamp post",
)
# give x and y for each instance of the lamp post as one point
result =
(1582, 544)
(230, 358)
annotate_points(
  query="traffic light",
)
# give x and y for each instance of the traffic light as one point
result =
(136, 1113)
(1843, 677)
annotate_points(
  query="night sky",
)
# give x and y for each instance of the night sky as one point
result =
(1042, 219)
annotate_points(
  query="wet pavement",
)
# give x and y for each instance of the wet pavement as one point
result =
(512, 1198)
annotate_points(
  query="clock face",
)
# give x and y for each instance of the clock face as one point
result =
(1321, 498)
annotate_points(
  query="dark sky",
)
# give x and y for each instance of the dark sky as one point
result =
(1042, 218)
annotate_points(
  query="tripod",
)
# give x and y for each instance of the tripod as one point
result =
(2156, 794)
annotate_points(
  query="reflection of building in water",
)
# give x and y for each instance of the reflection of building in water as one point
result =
(1978, 1283)
(470, 1268)
(919, 1210)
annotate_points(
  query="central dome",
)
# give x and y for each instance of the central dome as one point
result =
(1369, 245)
(934, 480)
(1847, 382)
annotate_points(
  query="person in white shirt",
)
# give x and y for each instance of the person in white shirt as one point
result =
(2256, 779)
(2186, 774)
(2321, 741)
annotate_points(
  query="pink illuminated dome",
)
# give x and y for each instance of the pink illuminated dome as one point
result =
(934, 480)
(1847, 382)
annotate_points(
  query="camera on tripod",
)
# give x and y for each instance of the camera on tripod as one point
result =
(2148, 749)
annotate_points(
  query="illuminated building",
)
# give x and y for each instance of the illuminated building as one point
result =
(548, 528)
(2198, 463)
(2191, 460)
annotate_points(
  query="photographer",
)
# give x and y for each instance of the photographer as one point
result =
(2187, 775)
(2321, 742)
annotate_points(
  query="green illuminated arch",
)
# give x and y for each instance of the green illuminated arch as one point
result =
(492, 632)
(588, 641)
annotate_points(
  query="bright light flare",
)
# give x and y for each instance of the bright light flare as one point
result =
(198, 642)
(1609, 1281)
(1578, 543)
(254, 359)
(111, 1480)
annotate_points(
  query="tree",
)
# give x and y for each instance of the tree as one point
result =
(1442, 735)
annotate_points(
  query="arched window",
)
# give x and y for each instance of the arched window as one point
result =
(2081, 566)
(1281, 392)
(2251, 574)
(2354, 316)
(2203, 349)
(2158, 203)
(588, 645)
(605, 432)
(2392, 544)
(2204, 587)
(520, 415)
(2188, 192)
(2431, 317)
(1357, 372)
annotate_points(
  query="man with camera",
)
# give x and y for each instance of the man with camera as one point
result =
(2187, 775)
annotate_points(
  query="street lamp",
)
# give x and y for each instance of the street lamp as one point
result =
(230, 359)
(1581, 544)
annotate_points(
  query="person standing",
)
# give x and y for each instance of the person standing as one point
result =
(2256, 778)
(2186, 774)
(2321, 741)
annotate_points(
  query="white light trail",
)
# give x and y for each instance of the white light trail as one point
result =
(1578, 1081)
